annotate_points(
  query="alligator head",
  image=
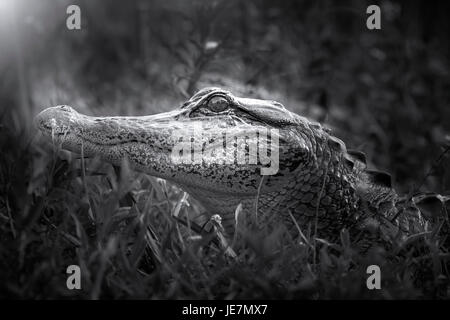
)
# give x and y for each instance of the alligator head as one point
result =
(225, 151)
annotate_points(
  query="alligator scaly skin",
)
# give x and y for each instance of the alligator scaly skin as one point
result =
(319, 182)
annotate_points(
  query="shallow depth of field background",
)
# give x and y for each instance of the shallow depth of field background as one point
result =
(385, 92)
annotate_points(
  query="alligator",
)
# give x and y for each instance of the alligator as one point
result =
(320, 186)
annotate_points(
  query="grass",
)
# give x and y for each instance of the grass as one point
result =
(120, 228)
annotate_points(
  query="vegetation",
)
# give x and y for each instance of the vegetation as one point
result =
(384, 92)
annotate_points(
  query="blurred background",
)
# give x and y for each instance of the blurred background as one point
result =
(385, 92)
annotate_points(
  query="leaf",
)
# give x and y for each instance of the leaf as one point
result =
(430, 205)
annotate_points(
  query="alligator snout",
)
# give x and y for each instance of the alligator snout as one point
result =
(53, 118)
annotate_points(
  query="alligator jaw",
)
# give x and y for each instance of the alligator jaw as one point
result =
(147, 143)
(144, 141)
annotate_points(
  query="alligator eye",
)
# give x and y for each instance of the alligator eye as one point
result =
(218, 104)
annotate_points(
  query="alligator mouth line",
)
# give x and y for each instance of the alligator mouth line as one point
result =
(84, 141)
